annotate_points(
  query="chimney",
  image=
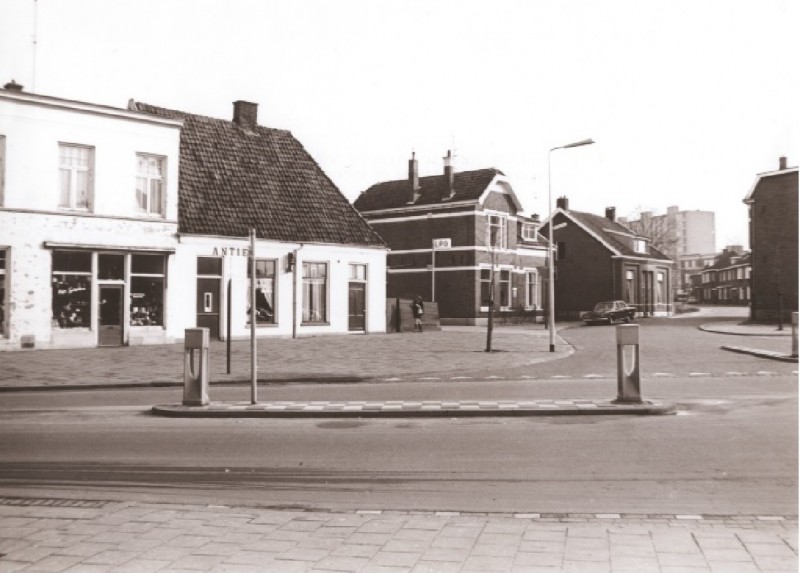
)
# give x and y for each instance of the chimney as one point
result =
(611, 213)
(562, 203)
(781, 160)
(413, 179)
(245, 113)
(449, 176)
(13, 86)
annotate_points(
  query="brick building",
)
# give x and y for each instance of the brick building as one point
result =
(726, 280)
(599, 259)
(772, 207)
(452, 236)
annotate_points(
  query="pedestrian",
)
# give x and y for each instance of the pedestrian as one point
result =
(418, 309)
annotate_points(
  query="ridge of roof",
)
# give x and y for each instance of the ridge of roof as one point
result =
(233, 178)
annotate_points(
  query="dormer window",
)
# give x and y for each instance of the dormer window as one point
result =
(529, 231)
(640, 245)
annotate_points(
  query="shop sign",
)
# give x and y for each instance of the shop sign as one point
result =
(230, 252)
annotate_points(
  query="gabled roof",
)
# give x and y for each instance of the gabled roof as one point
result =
(234, 178)
(772, 179)
(725, 260)
(468, 186)
(615, 236)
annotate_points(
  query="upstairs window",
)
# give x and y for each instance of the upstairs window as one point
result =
(76, 167)
(529, 231)
(150, 184)
(640, 245)
(496, 232)
(561, 251)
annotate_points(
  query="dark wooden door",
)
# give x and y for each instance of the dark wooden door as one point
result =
(208, 303)
(110, 302)
(357, 306)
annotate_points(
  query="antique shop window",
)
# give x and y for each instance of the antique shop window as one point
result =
(315, 292)
(72, 289)
(150, 183)
(3, 265)
(265, 291)
(147, 290)
(76, 166)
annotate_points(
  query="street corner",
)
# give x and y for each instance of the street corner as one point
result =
(769, 354)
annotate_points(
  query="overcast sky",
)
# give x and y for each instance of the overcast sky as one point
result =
(687, 100)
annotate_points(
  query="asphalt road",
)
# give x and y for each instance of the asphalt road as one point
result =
(731, 449)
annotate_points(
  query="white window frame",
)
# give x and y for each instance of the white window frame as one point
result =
(323, 320)
(530, 231)
(144, 197)
(73, 172)
(266, 278)
(499, 222)
(533, 291)
(640, 245)
(504, 285)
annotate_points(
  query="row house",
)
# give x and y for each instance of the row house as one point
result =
(452, 236)
(599, 259)
(126, 226)
(772, 208)
(727, 279)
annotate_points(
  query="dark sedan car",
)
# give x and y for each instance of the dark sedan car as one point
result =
(610, 312)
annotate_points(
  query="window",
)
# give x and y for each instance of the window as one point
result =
(209, 266)
(532, 290)
(72, 289)
(505, 289)
(486, 288)
(147, 290)
(529, 231)
(640, 245)
(150, 184)
(561, 251)
(497, 232)
(661, 288)
(265, 291)
(630, 286)
(3, 259)
(110, 267)
(75, 166)
(2, 171)
(358, 272)
(315, 292)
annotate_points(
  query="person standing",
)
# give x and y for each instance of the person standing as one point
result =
(418, 309)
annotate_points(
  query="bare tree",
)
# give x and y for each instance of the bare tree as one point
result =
(659, 229)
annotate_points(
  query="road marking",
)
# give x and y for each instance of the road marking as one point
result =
(528, 515)
(461, 378)
(494, 377)
(607, 515)
(662, 374)
(765, 373)
(526, 377)
(592, 376)
(769, 518)
(559, 376)
(699, 374)
(392, 379)
(734, 374)
(430, 378)
(689, 517)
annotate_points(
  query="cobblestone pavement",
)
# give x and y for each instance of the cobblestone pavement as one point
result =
(74, 536)
(321, 358)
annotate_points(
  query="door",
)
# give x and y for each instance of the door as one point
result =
(648, 293)
(357, 306)
(110, 301)
(208, 305)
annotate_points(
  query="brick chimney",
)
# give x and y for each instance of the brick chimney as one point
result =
(245, 113)
(449, 176)
(413, 179)
(782, 163)
(562, 203)
(13, 86)
(611, 213)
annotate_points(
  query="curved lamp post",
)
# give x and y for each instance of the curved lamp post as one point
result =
(551, 296)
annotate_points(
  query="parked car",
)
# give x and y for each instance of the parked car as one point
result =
(610, 312)
(691, 300)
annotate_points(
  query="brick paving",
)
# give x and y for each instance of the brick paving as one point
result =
(115, 537)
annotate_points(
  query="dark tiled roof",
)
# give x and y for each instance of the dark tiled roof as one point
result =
(725, 260)
(234, 178)
(610, 231)
(468, 185)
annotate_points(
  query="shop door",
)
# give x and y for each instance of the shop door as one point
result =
(357, 306)
(110, 333)
(208, 305)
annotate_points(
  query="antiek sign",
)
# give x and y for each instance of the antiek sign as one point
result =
(230, 252)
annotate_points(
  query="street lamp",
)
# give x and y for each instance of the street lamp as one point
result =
(551, 295)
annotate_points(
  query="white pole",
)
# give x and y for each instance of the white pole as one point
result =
(253, 360)
(551, 323)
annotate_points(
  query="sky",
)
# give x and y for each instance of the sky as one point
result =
(686, 100)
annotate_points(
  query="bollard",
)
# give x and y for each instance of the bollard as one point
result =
(628, 390)
(794, 335)
(195, 380)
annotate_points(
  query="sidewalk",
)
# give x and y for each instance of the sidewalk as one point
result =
(767, 342)
(76, 536)
(343, 358)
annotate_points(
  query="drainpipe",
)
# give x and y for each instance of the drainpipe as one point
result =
(294, 290)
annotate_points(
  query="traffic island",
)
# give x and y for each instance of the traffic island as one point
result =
(413, 409)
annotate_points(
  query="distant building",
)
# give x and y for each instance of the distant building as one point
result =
(727, 279)
(598, 259)
(450, 234)
(772, 206)
(686, 237)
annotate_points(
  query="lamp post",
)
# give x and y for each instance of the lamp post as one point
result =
(551, 295)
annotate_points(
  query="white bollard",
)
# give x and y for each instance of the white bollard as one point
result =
(628, 377)
(195, 380)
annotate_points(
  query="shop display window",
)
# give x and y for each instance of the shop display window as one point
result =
(265, 291)
(147, 290)
(72, 289)
(110, 267)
